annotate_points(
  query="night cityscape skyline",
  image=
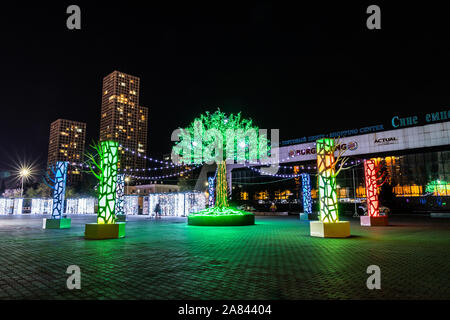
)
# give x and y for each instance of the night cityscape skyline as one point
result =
(133, 169)
(249, 61)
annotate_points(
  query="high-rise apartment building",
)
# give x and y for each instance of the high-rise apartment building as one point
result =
(67, 143)
(123, 119)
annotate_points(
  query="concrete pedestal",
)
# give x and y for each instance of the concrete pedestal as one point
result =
(369, 221)
(321, 229)
(95, 231)
(63, 223)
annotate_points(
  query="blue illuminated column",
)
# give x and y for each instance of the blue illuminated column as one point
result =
(306, 186)
(120, 191)
(211, 191)
(59, 188)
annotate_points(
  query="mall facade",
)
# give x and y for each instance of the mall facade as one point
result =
(416, 160)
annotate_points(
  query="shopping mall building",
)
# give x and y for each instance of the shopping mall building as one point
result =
(414, 151)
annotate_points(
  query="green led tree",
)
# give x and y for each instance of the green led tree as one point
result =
(103, 165)
(221, 139)
(105, 170)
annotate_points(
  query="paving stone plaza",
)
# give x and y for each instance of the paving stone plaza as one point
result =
(274, 259)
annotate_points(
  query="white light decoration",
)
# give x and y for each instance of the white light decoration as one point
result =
(80, 206)
(86, 205)
(36, 206)
(8, 206)
(18, 204)
(41, 206)
(3, 206)
(194, 202)
(177, 203)
(145, 209)
(131, 205)
(72, 206)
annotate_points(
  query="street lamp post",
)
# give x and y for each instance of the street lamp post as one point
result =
(24, 174)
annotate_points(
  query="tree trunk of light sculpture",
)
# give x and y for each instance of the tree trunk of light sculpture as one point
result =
(307, 201)
(221, 186)
(328, 224)
(108, 183)
(106, 226)
(372, 178)
(328, 208)
(58, 185)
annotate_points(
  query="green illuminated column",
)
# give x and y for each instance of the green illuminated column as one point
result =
(221, 185)
(328, 211)
(107, 183)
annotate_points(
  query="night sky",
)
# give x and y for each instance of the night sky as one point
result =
(284, 66)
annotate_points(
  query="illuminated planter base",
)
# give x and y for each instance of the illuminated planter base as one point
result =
(321, 229)
(222, 220)
(121, 218)
(63, 223)
(308, 216)
(368, 221)
(225, 216)
(95, 231)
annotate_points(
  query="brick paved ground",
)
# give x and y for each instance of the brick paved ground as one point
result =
(274, 259)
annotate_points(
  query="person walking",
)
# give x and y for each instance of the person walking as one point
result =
(157, 210)
(273, 207)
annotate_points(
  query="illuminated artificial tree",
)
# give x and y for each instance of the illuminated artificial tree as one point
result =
(307, 200)
(329, 224)
(57, 182)
(374, 180)
(216, 137)
(105, 170)
(438, 188)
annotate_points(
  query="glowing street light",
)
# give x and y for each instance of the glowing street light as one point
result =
(24, 173)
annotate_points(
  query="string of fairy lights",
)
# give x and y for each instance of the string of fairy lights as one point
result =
(167, 163)
(163, 176)
(296, 175)
(160, 177)
(171, 165)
